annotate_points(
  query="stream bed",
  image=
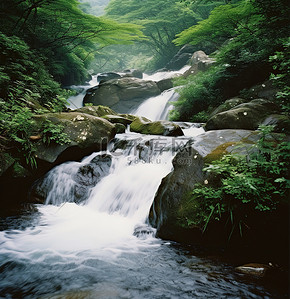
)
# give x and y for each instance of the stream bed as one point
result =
(101, 246)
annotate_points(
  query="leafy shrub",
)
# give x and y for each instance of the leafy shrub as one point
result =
(17, 124)
(199, 92)
(54, 133)
(280, 75)
(242, 185)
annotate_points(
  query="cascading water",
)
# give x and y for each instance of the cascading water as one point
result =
(92, 240)
(157, 108)
(76, 101)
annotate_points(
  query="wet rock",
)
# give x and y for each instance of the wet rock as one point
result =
(103, 77)
(114, 119)
(228, 105)
(280, 122)
(122, 94)
(84, 179)
(120, 128)
(165, 84)
(143, 231)
(253, 269)
(86, 133)
(244, 116)
(132, 73)
(97, 111)
(171, 205)
(181, 58)
(89, 175)
(165, 128)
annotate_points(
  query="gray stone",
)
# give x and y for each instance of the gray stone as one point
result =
(164, 128)
(188, 166)
(244, 116)
(87, 133)
(122, 94)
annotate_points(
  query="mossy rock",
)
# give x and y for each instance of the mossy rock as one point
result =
(98, 111)
(174, 208)
(120, 128)
(128, 116)
(227, 105)
(117, 119)
(246, 116)
(164, 128)
(86, 133)
(218, 152)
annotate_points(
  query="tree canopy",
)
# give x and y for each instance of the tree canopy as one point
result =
(247, 35)
(65, 35)
(161, 21)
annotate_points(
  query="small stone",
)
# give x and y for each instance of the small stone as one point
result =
(253, 269)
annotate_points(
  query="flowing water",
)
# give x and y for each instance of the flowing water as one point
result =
(102, 246)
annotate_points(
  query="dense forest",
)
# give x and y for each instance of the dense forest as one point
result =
(50, 48)
(46, 45)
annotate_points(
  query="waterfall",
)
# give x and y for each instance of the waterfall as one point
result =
(157, 108)
(92, 239)
(113, 208)
(76, 101)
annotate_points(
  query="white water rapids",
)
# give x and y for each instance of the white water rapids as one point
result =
(102, 246)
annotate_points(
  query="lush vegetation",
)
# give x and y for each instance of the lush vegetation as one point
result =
(243, 185)
(45, 45)
(161, 21)
(251, 40)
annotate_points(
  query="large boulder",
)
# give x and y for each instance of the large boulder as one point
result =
(132, 73)
(227, 105)
(168, 211)
(164, 128)
(244, 116)
(122, 94)
(85, 178)
(181, 58)
(165, 84)
(103, 77)
(98, 111)
(86, 133)
(199, 62)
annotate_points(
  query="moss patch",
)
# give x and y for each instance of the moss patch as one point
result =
(190, 213)
(218, 152)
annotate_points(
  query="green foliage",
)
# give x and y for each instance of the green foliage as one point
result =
(280, 75)
(17, 124)
(54, 133)
(246, 34)
(62, 34)
(200, 92)
(244, 185)
(222, 24)
(161, 21)
(23, 72)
